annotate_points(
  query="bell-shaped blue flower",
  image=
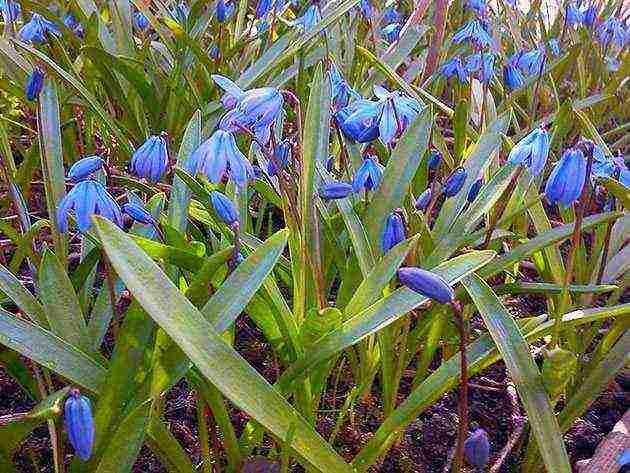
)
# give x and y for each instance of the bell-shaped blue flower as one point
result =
(224, 207)
(72, 24)
(262, 8)
(224, 10)
(554, 46)
(532, 151)
(481, 66)
(454, 183)
(342, 93)
(84, 168)
(368, 176)
(613, 167)
(391, 32)
(477, 449)
(612, 31)
(87, 198)
(330, 163)
(573, 14)
(79, 424)
(309, 20)
(335, 190)
(10, 10)
(476, 33)
(359, 120)
(477, 6)
(566, 180)
(139, 214)
(512, 76)
(391, 15)
(624, 458)
(397, 111)
(35, 83)
(394, 231)
(434, 159)
(217, 155)
(532, 62)
(37, 28)
(455, 67)
(427, 283)
(474, 190)
(140, 21)
(590, 15)
(151, 159)
(366, 9)
(423, 201)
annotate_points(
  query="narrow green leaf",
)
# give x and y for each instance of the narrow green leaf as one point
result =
(21, 297)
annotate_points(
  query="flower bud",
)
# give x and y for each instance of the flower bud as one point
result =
(84, 167)
(224, 208)
(454, 182)
(335, 190)
(330, 163)
(394, 231)
(477, 449)
(35, 83)
(474, 190)
(79, 423)
(139, 214)
(434, 160)
(427, 283)
(566, 181)
(422, 202)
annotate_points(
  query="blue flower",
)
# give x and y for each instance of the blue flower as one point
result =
(35, 83)
(342, 93)
(359, 120)
(391, 15)
(624, 458)
(475, 32)
(454, 183)
(335, 190)
(139, 214)
(36, 29)
(217, 155)
(79, 423)
(84, 168)
(554, 46)
(566, 180)
(532, 62)
(368, 176)
(474, 190)
(455, 66)
(478, 6)
(573, 14)
(179, 12)
(10, 9)
(605, 166)
(590, 15)
(422, 202)
(391, 32)
(532, 151)
(396, 112)
(612, 31)
(427, 283)
(366, 9)
(262, 8)
(474, 66)
(309, 20)
(434, 159)
(394, 231)
(224, 208)
(512, 76)
(330, 163)
(87, 198)
(72, 24)
(140, 21)
(151, 159)
(214, 52)
(224, 11)
(477, 449)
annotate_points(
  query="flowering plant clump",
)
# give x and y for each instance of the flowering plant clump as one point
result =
(282, 235)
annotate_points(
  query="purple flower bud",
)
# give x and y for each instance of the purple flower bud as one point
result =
(139, 214)
(427, 283)
(422, 202)
(394, 231)
(35, 83)
(79, 424)
(335, 190)
(224, 208)
(454, 182)
(477, 449)
(474, 190)
(84, 167)
(434, 160)
(566, 181)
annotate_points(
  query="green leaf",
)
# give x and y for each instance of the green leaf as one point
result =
(167, 448)
(21, 297)
(523, 371)
(216, 360)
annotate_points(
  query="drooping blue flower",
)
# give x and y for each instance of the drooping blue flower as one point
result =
(217, 155)
(396, 112)
(330, 163)
(366, 9)
(477, 449)
(532, 151)
(478, 6)
(179, 12)
(139, 214)
(573, 14)
(335, 190)
(566, 180)
(454, 182)
(151, 159)
(309, 20)
(263, 7)
(391, 15)
(214, 52)
(35, 83)
(79, 423)
(474, 66)
(613, 167)
(473, 191)
(391, 32)
(224, 10)
(73, 25)
(475, 32)
(342, 93)
(359, 120)
(10, 10)
(87, 198)
(281, 155)
(37, 28)
(84, 168)
(426, 283)
(368, 176)
(590, 15)
(422, 202)
(554, 46)
(612, 31)
(532, 62)
(140, 21)
(224, 207)
(512, 76)
(394, 231)
(434, 159)
(455, 67)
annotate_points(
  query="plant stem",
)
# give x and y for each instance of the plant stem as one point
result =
(501, 205)
(462, 408)
(204, 440)
(111, 287)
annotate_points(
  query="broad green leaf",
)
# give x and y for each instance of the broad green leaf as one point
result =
(523, 371)
(216, 360)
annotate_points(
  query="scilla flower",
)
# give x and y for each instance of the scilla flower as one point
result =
(335, 190)
(573, 14)
(224, 10)
(391, 15)
(88, 198)
(309, 20)
(217, 155)
(342, 93)
(396, 113)
(434, 159)
(366, 9)
(477, 449)
(566, 181)
(532, 151)
(179, 12)
(606, 166)
(368, 176)
(427, 283)
(532, 62)
(37, 28)
(422, 202)
(455, 67)
(474, 190)
(483, 73)
(612, 31)
(554, 46)
(139, 214)
(478, 6)
(10, 9)
(84, 168)
(35, 83)
(454, 182)
(140, 21)
(262, 8)
(512, 76)
(224, 208)
(475, 32)
(590, 15)
(151, 159)
(79, 423)
(391, 32)
(73, 25)
(394, 231)
(359, 120)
